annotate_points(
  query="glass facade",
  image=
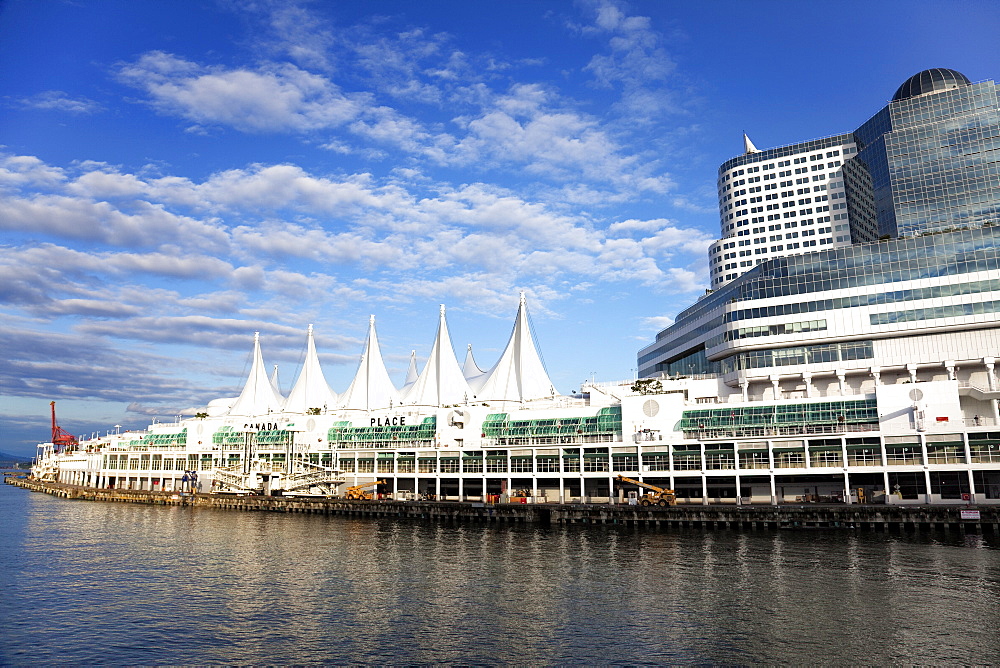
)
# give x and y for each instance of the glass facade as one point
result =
(927, 164)
(851, 267)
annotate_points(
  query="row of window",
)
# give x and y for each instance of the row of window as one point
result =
(874, 299)
(830, 352)
(934, 312)
(830, 456)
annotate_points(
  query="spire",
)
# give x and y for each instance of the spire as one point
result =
(441, 382)
(275, 383)
(473, 374)
(258, 396)
(371, 388)
(519, 374)
(411, 375)
(748, 146)
(311, 389)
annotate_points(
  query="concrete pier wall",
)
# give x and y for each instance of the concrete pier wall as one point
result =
(859, 517)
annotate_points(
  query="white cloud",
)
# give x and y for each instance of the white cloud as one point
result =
(81, 219)
(634, 225)
(657, 322)
(635, 62)
(278, 98)
(57, 100)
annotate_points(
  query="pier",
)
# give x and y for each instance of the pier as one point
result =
(860, 517)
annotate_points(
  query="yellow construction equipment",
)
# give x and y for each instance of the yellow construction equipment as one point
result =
(655, 495)
(359, 493)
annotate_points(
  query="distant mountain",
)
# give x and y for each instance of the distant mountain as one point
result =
(7, 458)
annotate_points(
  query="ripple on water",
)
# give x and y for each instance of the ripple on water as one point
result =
(104, 583)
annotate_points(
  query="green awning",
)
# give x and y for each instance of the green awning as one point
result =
(655, 454)
(824, 448)
(796, 449)
(687, 453)
(873, 448)
(754, 451)
(718, 452)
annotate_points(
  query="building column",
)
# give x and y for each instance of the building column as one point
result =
(912, 370)
(885, 478)
(437, 487)
(739, 497)
(745, 389)
(972, 484)
(927, 486)
(775, 391)
(562, 490)
(461, 488)
(807, 378)
(774, 491)
(847, 489)
(991, 378)
(841, 380)
(949, 366)
(704, 489)
(877, 375)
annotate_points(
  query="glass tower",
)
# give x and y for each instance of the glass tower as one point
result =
(928, 162)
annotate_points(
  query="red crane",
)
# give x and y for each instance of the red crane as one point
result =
(61, 438)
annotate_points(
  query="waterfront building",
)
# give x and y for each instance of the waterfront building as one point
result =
(862, 369)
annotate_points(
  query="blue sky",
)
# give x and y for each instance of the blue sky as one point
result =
(175, 176)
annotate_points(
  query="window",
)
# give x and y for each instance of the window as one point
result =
(548, 464)
(625, 462)
(520, 464)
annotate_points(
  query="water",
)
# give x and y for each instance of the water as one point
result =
(102, 583)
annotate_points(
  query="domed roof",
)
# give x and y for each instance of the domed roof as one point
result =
(930, 81)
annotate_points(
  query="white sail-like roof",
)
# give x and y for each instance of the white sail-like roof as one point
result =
(441, 382)
(275, 383)
(519, 374)
(311, 389)
(474, 376)
(258, 396)
(371, 388)
(411, 375)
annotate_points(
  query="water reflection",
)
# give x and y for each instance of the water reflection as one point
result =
(117, 584)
